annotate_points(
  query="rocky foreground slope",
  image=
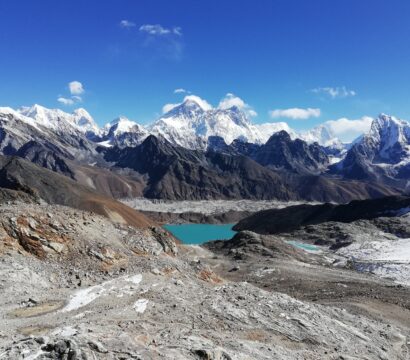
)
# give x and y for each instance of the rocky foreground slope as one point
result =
(76, 286)
(42, 185)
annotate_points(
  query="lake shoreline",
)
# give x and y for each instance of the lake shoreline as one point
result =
(199, 234)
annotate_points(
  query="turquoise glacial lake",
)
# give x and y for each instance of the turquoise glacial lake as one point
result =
(200, 233)
(303, 246)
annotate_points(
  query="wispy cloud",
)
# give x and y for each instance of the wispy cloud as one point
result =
(295, 113)
(65, 101)
(335, 92)
(181, 91)
(162, 41)
(127, 24)
(230, 100)
(159, 30)
(169, 107)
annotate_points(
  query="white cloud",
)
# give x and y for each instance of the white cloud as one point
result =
(168, 107)
(347, 129)
(126, 24)
(201, 102)
(76, 88)
(65, 101)
(335, 92)
(69, 101)
(295, 113)
(158, 30)
(231, 100)
(180, 91)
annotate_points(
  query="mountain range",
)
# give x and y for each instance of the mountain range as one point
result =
(189, 125)
(194, 152)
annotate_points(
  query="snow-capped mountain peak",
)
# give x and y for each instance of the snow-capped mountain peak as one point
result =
(60, 121)
(85, 121)
(390, 129)
(54, 119)
(322, 135)
(121, 125)
(189, 108)
(191, 123)
(389, 138)
(188, 124)
(8, 111)
(123, 132)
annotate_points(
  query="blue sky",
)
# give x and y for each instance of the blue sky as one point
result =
(346, 58)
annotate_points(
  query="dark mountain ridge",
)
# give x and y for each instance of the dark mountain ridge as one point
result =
(174, 172)
(279, 153)
(291, 218)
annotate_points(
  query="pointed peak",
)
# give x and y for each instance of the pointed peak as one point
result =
(156, 142)
(38, 107)
(82, 112)
(119, 119)
(384, 120)
(122, 125)
(280, 135)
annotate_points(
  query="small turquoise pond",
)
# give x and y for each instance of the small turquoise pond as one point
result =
(200, 233)
(303, 246)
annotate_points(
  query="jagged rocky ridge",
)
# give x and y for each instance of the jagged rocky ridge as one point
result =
(174, 172)
(280, 152)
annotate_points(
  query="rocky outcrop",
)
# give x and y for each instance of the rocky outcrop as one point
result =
(246, 244)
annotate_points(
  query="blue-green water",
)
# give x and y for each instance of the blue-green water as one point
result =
(200, 233)
(303, 246)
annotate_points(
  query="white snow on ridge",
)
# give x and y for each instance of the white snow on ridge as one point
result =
(58, 120)
(188, 124)
(322, 135)
(16, 114)
(120, 125)
(192, 122)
